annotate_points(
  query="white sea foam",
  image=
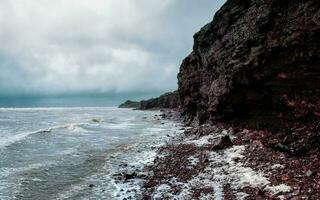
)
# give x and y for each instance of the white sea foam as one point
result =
(122, 125)
(193, 161)
(277, 166)
(6, 141)
(204, 140)
(279, 189)
(132, 188)
(147, 154)
(201, 141)
(224, 167)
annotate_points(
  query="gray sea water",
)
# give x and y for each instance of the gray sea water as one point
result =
(58, 153)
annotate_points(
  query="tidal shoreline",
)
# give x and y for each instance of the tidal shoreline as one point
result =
(220, 161)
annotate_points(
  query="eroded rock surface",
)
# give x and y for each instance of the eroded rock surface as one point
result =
(256, 58)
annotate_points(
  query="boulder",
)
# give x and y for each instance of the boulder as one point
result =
(222, 143)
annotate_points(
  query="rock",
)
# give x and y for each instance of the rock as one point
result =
(130, 104)
(222, 143)
(142, 175)
(256, 58)
(310, 173)
(128, 176)
(96, 120)
(281, 147)
(45, 131)
(150, 184)
(168, 100)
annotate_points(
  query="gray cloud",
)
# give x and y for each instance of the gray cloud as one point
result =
(102, 46)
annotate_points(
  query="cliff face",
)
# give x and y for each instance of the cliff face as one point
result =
(169, 100)
(256, 58)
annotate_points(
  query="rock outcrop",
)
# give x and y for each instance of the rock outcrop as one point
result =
(130, 104)
(255, 59)
(169, 100)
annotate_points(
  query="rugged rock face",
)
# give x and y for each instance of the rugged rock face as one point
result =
(256, 58)
(168, 100)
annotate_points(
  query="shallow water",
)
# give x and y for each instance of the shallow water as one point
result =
(57, 153)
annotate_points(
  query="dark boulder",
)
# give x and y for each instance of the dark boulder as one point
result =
(222, 143)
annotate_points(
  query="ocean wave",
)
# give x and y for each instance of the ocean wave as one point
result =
(5, 172)
(7, 141)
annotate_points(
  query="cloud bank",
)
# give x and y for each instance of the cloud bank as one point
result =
(96, 46)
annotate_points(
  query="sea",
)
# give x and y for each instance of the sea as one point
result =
(72, 153)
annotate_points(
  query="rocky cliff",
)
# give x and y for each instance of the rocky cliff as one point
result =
(168, 100)
(256, 58)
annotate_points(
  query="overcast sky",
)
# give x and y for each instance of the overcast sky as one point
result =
(57, 47)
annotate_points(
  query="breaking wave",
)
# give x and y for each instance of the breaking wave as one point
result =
(7, 141)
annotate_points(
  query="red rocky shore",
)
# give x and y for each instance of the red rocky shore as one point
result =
(224, 161)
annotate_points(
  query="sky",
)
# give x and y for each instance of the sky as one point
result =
(67, 47)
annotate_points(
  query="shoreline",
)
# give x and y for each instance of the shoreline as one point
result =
(130, 176)
(223, 162)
